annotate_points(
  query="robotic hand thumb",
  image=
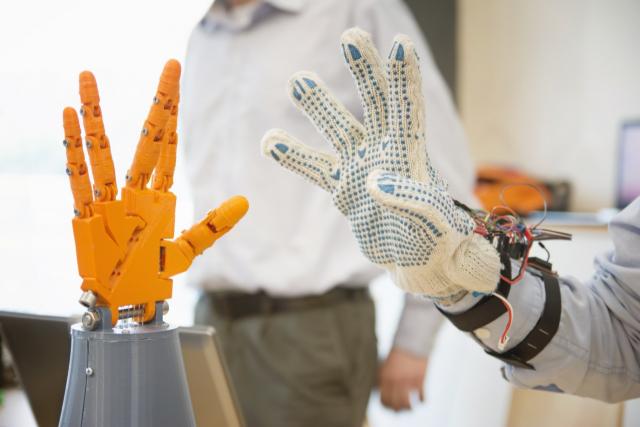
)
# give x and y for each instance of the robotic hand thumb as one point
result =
(176, 255)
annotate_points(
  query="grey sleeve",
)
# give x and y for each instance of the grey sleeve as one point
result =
(418, 326)
(596, 351)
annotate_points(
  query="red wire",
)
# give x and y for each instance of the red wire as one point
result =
(481, 229)
(525, 262)
(503, 337)
(508, 228)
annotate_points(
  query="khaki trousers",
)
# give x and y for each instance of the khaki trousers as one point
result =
(301, 368)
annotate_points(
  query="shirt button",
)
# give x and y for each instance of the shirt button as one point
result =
(482, 333)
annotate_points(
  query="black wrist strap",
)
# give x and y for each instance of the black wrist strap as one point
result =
(488, 309)
(542, 333)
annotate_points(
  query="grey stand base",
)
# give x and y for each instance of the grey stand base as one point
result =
(122, 378)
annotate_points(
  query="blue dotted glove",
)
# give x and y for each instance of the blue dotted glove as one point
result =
(382, 180)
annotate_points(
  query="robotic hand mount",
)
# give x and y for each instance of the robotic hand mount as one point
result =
(99, 318)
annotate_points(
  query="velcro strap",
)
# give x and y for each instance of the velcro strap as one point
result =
(542, 333)
(488, 309)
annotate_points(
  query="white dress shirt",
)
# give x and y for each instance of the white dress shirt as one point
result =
(293, 241)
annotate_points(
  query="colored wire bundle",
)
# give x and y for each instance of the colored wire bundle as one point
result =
(507, 226)
(503, 226)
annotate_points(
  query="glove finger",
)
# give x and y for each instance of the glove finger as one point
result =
(367, 69)
(407, 120)
(328, 114)
(432, 207)
(320, 168)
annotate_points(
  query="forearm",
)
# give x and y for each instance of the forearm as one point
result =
(594, 352)
(418, 326)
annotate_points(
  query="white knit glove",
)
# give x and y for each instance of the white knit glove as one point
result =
(382, 180)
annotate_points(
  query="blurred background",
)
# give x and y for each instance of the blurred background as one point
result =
(543, 88)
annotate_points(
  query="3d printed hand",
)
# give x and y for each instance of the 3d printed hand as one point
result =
(382, 180)
(124, 253)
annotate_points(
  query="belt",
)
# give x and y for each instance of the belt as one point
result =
(235, 305)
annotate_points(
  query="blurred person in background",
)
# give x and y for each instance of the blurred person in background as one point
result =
(290, 301)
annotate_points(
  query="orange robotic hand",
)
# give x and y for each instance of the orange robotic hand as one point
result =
(125, 255)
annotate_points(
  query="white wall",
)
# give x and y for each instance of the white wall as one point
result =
(544, 85)
(44, 45)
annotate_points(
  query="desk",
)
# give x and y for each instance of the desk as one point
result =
(15, 410)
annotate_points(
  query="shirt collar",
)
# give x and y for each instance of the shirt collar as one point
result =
(242, 17)
(293, 6)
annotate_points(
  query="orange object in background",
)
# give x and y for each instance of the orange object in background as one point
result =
(520, 192)
(123, 247)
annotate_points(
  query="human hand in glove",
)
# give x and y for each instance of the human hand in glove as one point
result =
(126, 255)
(380, 176)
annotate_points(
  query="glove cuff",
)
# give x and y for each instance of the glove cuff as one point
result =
(432, 283)
(475, 265)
